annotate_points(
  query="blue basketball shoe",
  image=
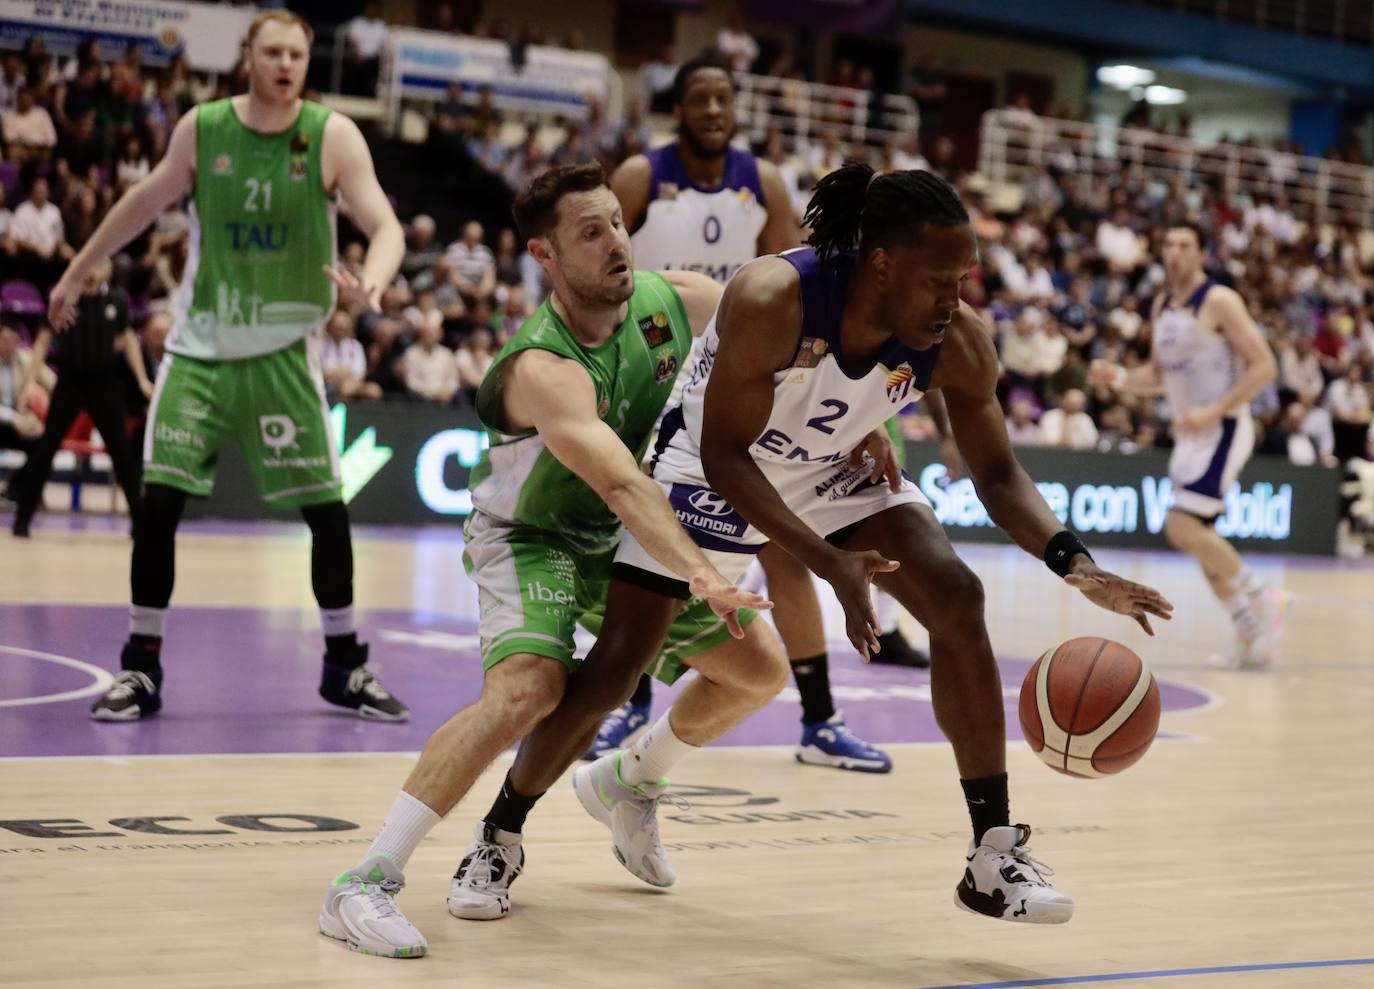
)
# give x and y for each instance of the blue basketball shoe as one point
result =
(616, 729)
(831, 743)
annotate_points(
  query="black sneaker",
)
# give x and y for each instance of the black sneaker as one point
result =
(359, 690)
(133, 695)
(894, 650)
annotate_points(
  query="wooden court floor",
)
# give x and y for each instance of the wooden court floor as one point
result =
(1235, 848)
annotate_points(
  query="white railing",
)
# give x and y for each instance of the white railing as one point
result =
(1013, 146)
(805, 111)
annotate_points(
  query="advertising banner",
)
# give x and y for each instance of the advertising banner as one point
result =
(409, 464)
(423, 64)
(209, 35)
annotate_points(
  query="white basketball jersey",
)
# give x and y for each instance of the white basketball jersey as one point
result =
(823, 404)
(713, 231)
(1197, 365)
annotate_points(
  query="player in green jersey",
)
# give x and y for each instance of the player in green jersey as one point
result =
(570, 406)
(262, 172)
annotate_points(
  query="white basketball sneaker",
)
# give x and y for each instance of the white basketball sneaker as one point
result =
(1003, 880)
(631, 812)
(360, 909)
(1258, 632)
(480, 889)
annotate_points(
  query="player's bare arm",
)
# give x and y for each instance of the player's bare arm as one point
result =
(700, 295)
(348, 168)
(631, 182)
(171, 180)
(967, 377)
(759, 324)
(556, 397)
(781, 232)
(1227, 309)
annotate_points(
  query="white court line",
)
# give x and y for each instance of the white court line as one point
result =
(101, 677)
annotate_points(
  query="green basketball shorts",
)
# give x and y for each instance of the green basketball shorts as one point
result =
(533, 588)
(273, 406)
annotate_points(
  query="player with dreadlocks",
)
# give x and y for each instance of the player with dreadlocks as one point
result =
(808, 354)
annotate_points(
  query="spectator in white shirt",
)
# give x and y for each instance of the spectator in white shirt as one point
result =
(343, 362)
(424, 314)
(28, 129)
(1348, 400)
(429, 368)
(38, 235)
(737, 44)
(474, 266)
(473, 359)
(1300, 370)
(1021, 425)
(1068, 425)
(1126, 317)
(1118, 244)
(366, 35)
(907, 155)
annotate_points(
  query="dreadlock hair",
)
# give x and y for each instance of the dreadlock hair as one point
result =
(856, 208)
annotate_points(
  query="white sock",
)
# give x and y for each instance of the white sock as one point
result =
(405, 827)
(657, 751)
(888, 610)
(146, 621)
(338, 621)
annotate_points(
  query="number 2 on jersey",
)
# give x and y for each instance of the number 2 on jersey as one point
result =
(250, 203)
(820, 421)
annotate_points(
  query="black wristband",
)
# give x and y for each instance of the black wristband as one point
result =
(1062, 548)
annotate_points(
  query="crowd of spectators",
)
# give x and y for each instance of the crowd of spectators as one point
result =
(1067, 277)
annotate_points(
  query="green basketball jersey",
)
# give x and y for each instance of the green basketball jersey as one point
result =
(262, 228)
(518, 480)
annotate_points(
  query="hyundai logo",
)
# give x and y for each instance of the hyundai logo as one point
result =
(709, 503)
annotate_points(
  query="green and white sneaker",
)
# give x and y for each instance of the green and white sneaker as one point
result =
(631, 812)
(360, 909)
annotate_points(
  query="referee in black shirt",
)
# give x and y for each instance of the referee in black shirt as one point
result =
(85, 356)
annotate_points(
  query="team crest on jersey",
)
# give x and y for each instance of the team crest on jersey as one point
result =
(224, 165)
(300, 148)
(298, 169)
(667, 190)
(667, 368)
(810, 352)
(899, 382)
(656, 330)
(747, 198)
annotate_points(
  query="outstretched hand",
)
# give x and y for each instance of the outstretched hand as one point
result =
(1125, 597)
(850, 574)
(353, 291)
(726, 599)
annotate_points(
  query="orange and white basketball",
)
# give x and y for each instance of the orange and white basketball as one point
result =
(1089, 707)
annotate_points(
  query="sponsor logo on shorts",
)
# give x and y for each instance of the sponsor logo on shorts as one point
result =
(845, 482)
(176, 436)
(701, 509)
(536, 591)
(279, 433)
(193, 409)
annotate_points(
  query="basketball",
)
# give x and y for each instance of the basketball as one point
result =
(1089, 707)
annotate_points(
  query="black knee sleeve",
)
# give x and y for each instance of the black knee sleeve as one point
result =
(152, 570)
(331, 554)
